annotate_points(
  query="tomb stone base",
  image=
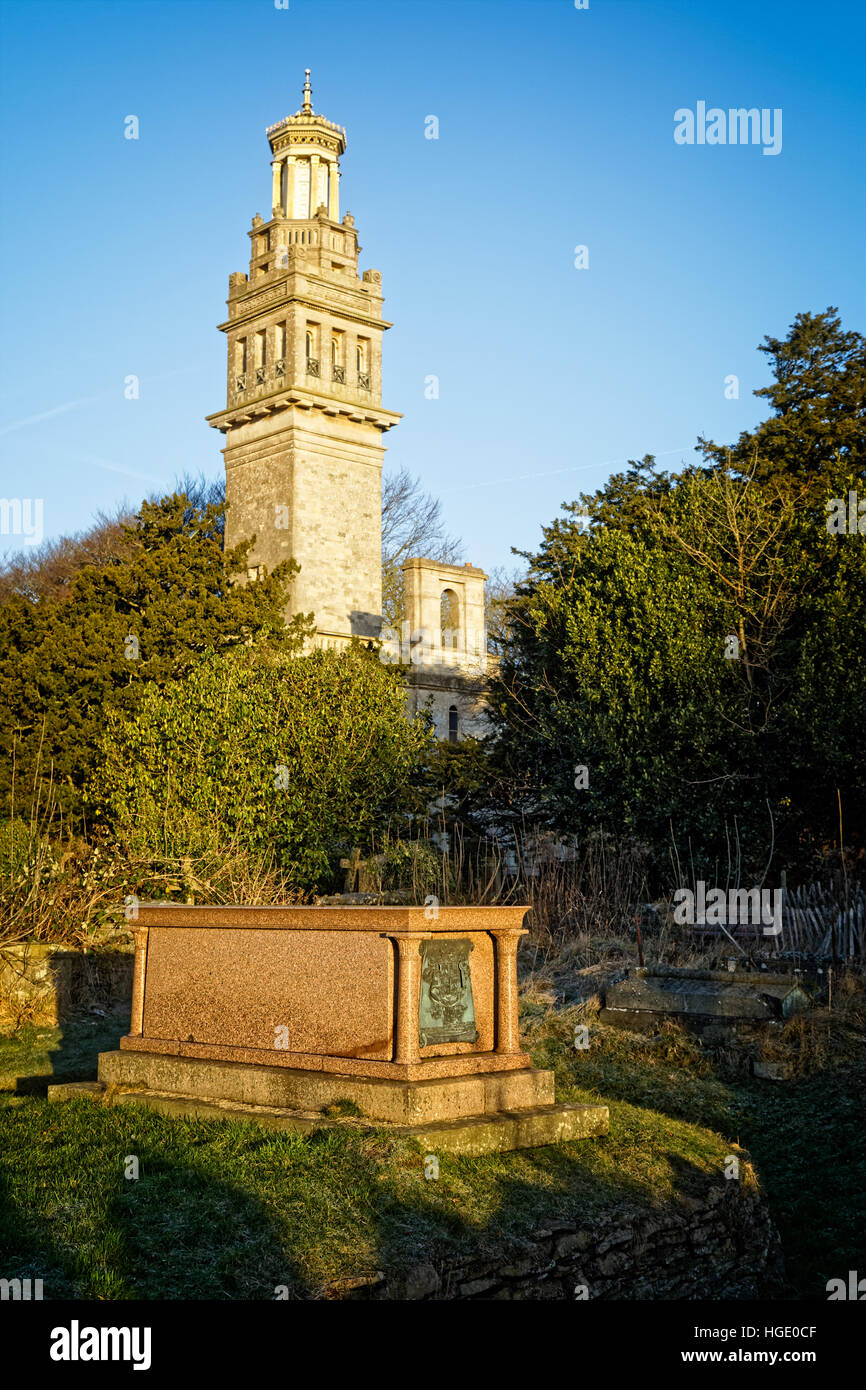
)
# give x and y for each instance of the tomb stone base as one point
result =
(471, 1115)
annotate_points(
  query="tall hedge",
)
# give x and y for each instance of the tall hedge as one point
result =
(305, 756)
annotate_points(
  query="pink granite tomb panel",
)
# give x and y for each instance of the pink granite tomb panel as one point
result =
(333, 992)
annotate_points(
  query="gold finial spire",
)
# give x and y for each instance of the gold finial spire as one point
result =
(307, 107)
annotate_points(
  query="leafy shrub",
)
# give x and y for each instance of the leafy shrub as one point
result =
(304, 756)
(413, 866)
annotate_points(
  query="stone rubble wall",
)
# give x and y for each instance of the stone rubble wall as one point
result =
(44, 984)
(721, 1246)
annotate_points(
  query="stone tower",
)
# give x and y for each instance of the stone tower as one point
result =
(304, 418)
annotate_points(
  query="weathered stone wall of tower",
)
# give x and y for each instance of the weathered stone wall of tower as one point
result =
(310, 488)
(444, 644)
(455, 702)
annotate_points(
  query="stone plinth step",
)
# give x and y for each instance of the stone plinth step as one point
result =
(377, 1098)
(471, 1135)
(520, 1129)
(423, 1069)
(71, 1090)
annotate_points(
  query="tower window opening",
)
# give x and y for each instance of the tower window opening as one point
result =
(261, 357)
(240, 364)
(449, 611)
(312, 355)
(338, 371)
(453, 724)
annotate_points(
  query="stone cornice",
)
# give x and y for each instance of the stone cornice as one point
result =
(313, 223)
(458, 571)
(287, 397)
(267, 302)
(306, 130)
(473, 681)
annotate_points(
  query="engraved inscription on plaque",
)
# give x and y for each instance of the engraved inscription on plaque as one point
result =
(446, 1011)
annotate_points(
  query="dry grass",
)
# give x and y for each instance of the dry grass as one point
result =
(80, 895)
(61, 889)
(824, 1037)
(588, 897)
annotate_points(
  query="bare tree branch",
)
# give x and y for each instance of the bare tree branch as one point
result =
(412, 525)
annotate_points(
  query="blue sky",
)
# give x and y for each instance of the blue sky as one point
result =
(555, 130)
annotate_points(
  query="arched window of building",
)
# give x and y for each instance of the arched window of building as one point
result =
(338, 366)
(449, 610)
(309, 346)
(453, 724)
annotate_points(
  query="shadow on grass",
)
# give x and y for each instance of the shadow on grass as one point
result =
(75, 1214)
(228, 1210)
(67, 1052)
(805, 1137)
(222, 1210)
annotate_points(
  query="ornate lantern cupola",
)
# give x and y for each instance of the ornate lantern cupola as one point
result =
(306, 171)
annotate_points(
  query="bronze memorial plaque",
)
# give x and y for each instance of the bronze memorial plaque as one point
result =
(446, 1011)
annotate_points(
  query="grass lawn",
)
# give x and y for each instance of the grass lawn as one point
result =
(806, 1137)
(228, 1210)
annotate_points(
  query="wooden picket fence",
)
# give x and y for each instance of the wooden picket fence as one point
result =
(811, 914)
(814, 911)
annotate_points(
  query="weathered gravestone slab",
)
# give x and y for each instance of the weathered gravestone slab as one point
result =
(701, 998)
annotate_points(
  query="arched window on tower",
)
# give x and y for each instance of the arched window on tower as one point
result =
(453, 724)
(312, 354)
(449, 608)
(362, 363)
(338, 366)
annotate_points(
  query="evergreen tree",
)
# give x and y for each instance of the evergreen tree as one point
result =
(165, 595)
